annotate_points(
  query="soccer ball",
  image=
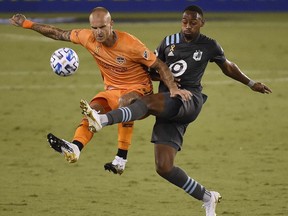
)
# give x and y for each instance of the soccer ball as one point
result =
(64, 62)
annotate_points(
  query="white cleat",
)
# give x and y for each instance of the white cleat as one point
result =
(117, 166)
(70, 151)
(210, 206)
(92, 116)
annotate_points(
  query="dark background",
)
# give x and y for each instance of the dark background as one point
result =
(142, 5)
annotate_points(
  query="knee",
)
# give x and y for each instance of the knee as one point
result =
(163, 169)
(128, 98)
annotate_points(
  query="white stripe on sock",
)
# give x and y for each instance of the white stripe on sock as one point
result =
(123, 114)
(192, 190)
(127, 115)
(187, 182)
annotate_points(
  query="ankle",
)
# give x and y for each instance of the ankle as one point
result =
(79, 144)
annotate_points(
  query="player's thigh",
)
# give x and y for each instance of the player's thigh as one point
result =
(189, 110)
(162, 105)
(105, 101)
(168, 133)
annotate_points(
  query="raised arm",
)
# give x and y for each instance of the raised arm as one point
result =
(232, 70)
(46, 30)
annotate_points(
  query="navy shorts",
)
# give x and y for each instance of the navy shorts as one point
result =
(170, 127)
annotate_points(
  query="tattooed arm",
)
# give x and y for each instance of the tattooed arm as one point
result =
(46, 30)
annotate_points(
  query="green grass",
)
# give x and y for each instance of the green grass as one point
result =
(237, 146)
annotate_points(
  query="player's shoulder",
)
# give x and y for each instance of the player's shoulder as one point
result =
(210, 42)
(83, 31)
(131, 42)
(81, 36)
(126, 36)
(206, 39)
(172, 39)
(86, 33)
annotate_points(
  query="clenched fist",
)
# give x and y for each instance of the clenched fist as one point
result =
(18, 20)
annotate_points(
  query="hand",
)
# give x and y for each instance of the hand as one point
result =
(262, 88)
(183, 93)
(18, 20)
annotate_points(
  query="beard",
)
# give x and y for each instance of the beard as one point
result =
(188, 36)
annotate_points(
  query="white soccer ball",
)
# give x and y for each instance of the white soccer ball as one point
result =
(64, 62)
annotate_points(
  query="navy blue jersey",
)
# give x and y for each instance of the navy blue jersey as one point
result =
(188, 60)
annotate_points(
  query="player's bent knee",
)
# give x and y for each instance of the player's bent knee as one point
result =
(128, 98)
(163, 170)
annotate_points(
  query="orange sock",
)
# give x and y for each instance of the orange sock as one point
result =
(82, 133)
(125, 131)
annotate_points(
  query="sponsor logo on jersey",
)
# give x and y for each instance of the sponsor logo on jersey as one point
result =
(197, 55)
(111, 67)
(120, 60)
(178, 68)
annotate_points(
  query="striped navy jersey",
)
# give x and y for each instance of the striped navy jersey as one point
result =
(188, 60)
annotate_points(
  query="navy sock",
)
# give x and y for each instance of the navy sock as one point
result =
(179, 178)
(134, 111)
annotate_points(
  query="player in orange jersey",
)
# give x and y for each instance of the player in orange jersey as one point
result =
(122, 59)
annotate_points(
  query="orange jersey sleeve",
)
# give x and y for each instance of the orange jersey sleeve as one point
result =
(122, 64)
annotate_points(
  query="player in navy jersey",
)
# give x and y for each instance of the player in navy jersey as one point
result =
(187, 54)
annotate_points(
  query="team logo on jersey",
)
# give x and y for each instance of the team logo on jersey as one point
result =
(171, 50)
(146, 54)
(197, 55)
(120, 60)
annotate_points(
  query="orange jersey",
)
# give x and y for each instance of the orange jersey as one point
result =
(121, 65)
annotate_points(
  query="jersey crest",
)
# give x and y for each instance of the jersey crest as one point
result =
(197, 55)
(120, 60)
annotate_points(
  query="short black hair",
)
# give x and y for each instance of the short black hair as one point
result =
(194, 8)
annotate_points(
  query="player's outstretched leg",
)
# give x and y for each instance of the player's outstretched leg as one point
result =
(210, 206)
(92, 116)
(70, 151)
(117, 166)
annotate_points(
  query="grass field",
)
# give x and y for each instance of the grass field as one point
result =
(237, 146)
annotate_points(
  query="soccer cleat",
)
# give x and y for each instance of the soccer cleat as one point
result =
(117, 166)
(210, 206)
(92, 116)
(70, 151)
